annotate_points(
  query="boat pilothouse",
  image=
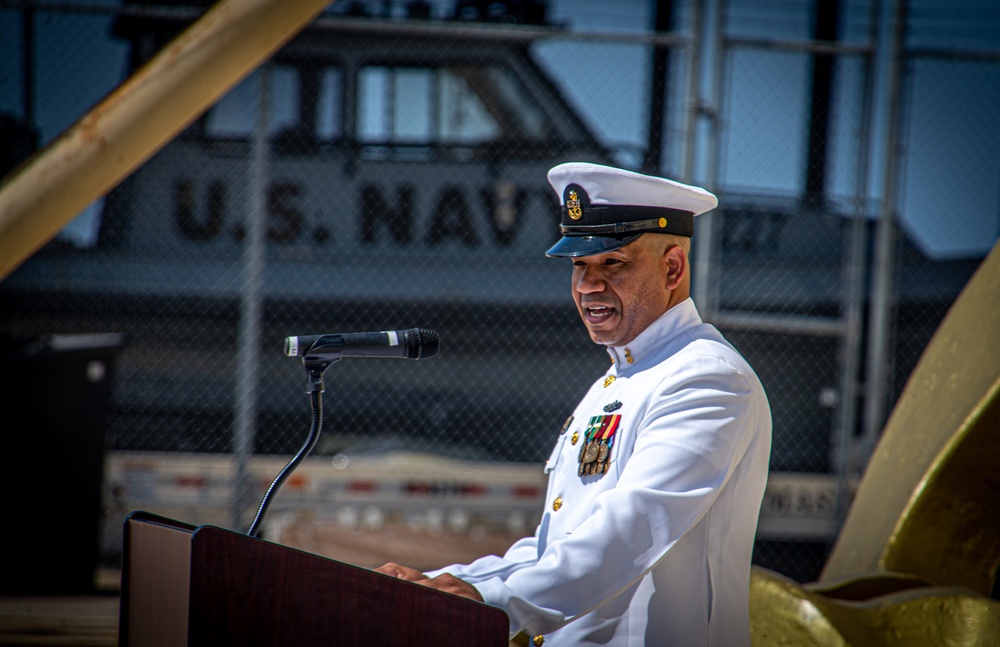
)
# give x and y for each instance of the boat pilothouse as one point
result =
(394, 146)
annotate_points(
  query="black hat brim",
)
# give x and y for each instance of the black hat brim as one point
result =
(576, 246)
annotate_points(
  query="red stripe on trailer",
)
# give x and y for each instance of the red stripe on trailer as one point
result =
(190, 481)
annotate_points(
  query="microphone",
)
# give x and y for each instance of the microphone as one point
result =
(416, 343)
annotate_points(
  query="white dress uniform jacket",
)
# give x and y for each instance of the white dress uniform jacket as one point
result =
(656, 550)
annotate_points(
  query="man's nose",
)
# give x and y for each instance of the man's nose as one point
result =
(589, 280)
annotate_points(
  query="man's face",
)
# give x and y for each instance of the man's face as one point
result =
(619, 293)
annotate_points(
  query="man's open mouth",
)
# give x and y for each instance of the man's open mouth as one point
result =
(596, 313)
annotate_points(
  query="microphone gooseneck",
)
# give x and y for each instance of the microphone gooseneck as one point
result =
(316, 399)
(318, 352)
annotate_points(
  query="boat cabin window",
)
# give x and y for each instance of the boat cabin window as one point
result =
(306, 101)
(420, 106)
(401, 112)
(443, 106)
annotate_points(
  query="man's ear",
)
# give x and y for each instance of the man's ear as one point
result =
(676, 266)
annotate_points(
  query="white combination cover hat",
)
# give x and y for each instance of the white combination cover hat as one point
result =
(604, 208)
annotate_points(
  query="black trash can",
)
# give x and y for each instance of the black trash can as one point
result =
(56, 391)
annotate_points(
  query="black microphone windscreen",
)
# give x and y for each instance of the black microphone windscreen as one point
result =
(422, 343)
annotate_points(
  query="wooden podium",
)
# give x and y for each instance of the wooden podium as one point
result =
(206, 586)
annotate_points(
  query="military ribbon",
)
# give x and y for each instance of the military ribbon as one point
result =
(598, 440)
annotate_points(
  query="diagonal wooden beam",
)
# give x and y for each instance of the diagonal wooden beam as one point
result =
(139, 117)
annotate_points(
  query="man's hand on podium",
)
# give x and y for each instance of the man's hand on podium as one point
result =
(444, 582)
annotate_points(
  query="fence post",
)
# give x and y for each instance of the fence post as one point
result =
(251, 302)
(877, 369)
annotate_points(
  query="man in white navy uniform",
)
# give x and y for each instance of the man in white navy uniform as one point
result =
(656, 480)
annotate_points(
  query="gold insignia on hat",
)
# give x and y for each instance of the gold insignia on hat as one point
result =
(608, 381)
(628, 356)
(573, 206)
(662, 223)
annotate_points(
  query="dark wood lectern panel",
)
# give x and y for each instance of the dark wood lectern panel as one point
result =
(246, 591)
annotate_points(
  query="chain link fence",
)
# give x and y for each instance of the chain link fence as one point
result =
(386, 170)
